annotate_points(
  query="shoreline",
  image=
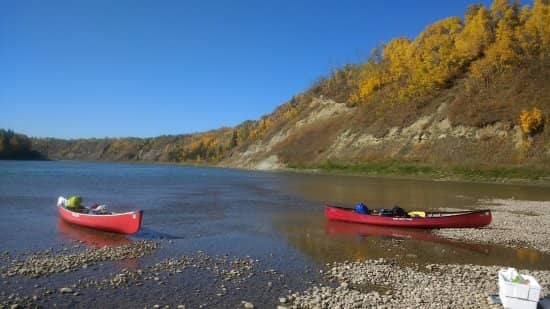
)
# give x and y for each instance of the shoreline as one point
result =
(77, 275)
(403, 171)
(515, 224)
(399, 170)
(390, 283)
(384, 283)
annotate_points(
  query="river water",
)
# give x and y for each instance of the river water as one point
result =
(276, 218)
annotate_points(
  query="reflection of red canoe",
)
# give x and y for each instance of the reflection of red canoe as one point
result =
(336, 227)
(124, 223)
(460, 219)
(91, 237)
(346, 228)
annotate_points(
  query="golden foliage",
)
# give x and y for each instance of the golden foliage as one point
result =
(536, 36)
(489, 42)
(476, 35)
(531, 121)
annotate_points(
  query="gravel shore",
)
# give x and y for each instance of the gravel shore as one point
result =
(385, 284)
(47, 262)
(515, 223)
(228, 273)
(381, 283)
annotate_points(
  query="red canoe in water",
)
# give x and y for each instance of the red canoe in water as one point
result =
(124, 223)
(460, 219)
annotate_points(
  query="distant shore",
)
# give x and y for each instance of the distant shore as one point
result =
(506, 174)
(498, 175)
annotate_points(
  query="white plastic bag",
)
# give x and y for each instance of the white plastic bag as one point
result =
(61, 201)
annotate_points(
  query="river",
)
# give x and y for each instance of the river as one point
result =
(276, 218)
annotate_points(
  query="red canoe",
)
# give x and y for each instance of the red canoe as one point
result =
(460, 219)
(124, 223)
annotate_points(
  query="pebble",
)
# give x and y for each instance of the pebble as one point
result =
(447, 286)
(45, 263)
(510, 219)
(65, 290)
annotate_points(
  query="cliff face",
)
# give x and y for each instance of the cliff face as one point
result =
(326, 133)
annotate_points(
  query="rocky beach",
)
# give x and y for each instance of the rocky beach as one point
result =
(388, 284)
(515, 223)
(393, 283)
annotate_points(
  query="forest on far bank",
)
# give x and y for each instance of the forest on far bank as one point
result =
(14, 146)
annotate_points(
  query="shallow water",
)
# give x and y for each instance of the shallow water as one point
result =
(276, 218)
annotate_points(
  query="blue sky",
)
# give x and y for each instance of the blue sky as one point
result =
(98, 68)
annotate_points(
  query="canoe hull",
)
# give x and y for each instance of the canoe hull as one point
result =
(467, 219)
(123, 223)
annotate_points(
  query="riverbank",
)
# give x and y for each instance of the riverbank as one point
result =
(498, 175)
(390, 283)
(515, 224)
(510, 174)
(84, 277)
(78, 275)
(386, 283)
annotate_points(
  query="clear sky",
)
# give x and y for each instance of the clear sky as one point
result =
(97, 68)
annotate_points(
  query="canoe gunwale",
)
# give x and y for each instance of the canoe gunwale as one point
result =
(453, 219)
(446, 214)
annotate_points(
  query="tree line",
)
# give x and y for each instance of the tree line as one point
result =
(483, 44)
(16, 146)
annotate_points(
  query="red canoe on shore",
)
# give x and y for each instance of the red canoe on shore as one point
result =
(124, 223)
(460, 219)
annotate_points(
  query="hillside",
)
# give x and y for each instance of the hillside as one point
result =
(15, 146)
(467, 92)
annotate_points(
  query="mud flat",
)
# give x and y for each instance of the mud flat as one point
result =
(515, 223)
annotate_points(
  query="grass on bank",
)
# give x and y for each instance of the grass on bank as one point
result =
(492, 174)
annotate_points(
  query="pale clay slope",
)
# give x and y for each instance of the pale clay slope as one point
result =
(427, 128)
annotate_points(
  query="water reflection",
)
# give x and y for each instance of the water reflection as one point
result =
(337, 227)
(329, 241)
(409, 194)
(90, 237)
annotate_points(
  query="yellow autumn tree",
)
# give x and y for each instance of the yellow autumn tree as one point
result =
(371, 78)
(504, 51)
(531, 121)
(476, 35)
(536, 38)
(398, 55)
(435, 59)
(498, 9)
